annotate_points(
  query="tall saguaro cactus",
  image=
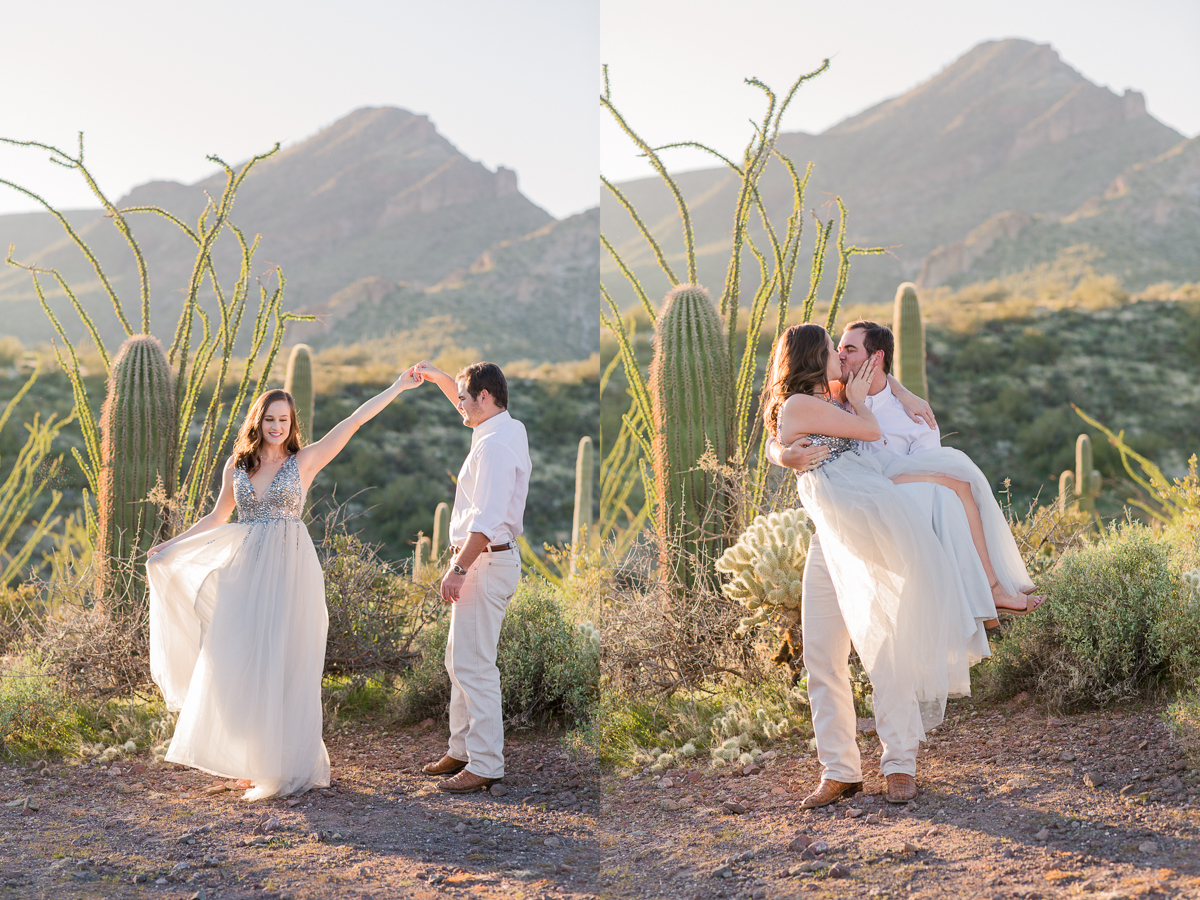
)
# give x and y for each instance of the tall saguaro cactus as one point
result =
(910, 340)
(299, 383)
(441, 531)
(138, 447)
(582, 522)
(692, 407)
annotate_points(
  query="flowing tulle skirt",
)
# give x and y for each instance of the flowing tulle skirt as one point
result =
(910, 600)
(237, 645)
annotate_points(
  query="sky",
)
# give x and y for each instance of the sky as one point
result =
(157, 86)
(676, 67)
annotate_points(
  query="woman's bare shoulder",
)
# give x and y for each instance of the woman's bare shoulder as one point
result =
(800, 402)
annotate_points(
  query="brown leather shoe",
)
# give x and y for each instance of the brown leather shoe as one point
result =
(465, 782)
(447, 765)
(830, 792)
(900, 788)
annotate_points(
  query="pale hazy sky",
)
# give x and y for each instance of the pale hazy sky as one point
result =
(156, 86)
(676, 66)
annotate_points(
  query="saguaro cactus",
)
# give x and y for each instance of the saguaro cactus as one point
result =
(139, 435)
(692, 405)
(1082, 486)
(421, 555)
(1087, 479)
(299, 383)
(581, 523)
(910, 340)
(1066, 491)
(441, 530)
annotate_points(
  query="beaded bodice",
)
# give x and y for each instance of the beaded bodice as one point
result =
(837, 445)
(284, 497)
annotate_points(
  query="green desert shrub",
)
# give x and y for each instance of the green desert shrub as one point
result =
(36, 716)
(1184, 718)
(1178, 631)
(549, 667)
(1098, 637)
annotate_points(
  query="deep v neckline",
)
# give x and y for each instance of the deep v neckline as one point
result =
(254, 490)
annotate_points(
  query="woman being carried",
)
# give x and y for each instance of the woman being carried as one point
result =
(900, 594)
(237, 611)
(914, 454)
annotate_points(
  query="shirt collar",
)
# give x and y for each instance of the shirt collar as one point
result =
(883, 396)
(490, 425)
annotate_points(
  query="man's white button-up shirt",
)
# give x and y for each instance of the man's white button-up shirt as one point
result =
(493, 483)
(901, 435)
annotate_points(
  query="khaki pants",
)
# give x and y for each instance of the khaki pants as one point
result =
(476, 721)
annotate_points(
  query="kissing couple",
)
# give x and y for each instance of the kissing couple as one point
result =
(911, 557)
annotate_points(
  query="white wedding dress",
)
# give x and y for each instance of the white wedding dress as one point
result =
(912, 601)
(237, 642)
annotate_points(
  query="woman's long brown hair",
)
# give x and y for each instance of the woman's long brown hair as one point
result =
(798, 366)
(250, 435)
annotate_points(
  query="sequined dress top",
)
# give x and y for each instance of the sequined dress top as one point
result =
(284, 497)
(837, 445)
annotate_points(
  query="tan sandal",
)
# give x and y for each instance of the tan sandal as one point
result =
(1035, 599)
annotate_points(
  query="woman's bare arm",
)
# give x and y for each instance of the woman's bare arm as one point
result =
(313, 458)
(220, 514)
(804, 414)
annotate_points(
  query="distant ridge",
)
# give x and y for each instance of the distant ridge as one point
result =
(1144, 227)
(378, 194)
(1007, 126)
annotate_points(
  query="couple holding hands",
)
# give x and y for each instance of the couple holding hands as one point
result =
(237, 611)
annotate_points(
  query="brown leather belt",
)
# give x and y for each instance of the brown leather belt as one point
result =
(491, 548)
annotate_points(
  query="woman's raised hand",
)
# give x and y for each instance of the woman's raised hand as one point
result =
(859, 383)
(409, 378)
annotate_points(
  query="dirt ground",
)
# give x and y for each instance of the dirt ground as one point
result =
(1011, 804)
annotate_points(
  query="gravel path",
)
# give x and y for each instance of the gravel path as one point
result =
(1011, 805)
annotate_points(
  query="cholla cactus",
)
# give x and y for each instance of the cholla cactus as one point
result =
(592, 634)
(798, 692)
(734, 730)
(767, 565)
(1191, 583)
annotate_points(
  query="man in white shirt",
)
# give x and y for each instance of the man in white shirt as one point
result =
(826, 642)
(489, 504)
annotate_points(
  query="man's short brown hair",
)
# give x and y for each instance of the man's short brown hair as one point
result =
(485, 376)
(876, 337)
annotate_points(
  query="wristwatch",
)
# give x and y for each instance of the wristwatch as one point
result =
(457, 569)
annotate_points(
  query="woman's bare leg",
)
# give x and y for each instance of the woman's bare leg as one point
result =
(1019, 603)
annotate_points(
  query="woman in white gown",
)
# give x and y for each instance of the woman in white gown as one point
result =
(901, 596)
(237, 611)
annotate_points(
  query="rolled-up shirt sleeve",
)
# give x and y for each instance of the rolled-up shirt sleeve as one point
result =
(495, 475)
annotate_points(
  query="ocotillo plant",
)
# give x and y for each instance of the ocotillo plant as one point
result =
(218, 328)
(137, 434)
(21, 489)
(441, 531)
(581, 523)
(910, 340)
(777, 263)
(693, 415)
(299, 383)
